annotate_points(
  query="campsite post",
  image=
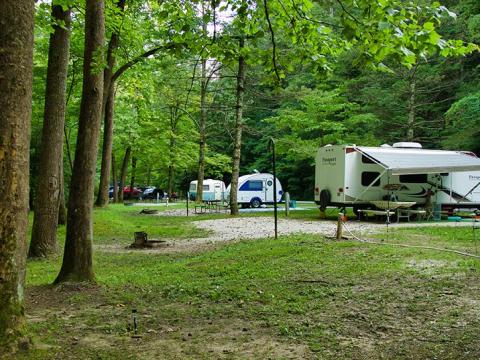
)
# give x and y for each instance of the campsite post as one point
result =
(271, 147)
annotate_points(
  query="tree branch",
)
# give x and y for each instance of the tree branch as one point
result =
(274, 45)
(139, 58)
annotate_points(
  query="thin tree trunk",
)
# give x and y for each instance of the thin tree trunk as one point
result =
(149, 175)
(171, 175)
(201, 130)
(132, 176)
(108, 111)
(62, 211)
(172, 149)
(237, 146)
(114, 179)
(102, 198)
(45, 220)
(412, 113)
(16, 63)
(77, 260)
(203, 117)
(123, 173)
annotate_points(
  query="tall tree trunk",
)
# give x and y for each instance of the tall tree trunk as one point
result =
(108, 111)
(237, 145)
(132, 176)
(45, 220)
(149, 175)
(412, 112)
(102, 198)
(62, 211)
(77, 259)
(201, 130)
(171, 175)
(114, 179)
(123, 173)
(172, 149)
(16, 62)
(203, 117)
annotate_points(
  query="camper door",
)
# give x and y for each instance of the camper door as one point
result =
(268, 187)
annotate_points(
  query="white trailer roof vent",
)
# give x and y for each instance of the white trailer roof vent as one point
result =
(407, 145)
(385, 146)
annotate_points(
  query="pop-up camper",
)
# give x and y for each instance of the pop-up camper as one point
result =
(213, 190)
(355, 176)
(256, 189)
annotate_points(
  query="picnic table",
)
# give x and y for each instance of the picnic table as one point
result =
(401, 209)
(210, 206)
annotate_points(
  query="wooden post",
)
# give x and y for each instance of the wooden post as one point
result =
(287, 203)
(340, 226)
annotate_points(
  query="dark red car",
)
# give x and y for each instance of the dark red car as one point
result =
(135, 194)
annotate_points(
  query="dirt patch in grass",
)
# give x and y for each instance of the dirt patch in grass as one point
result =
(71, 325)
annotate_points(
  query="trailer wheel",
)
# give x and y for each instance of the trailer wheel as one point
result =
(324, 199)
(255, 203)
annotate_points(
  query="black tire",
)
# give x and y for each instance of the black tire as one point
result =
(324, 199)
(255, 203)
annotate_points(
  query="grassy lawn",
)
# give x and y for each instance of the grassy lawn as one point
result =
(296, 297)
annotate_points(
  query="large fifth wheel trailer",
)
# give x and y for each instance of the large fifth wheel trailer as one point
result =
(355, 176)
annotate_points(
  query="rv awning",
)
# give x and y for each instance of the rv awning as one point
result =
(401, 161)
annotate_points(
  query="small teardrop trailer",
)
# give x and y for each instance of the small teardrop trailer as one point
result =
(355, 176)
(213, 190)
(256, 189)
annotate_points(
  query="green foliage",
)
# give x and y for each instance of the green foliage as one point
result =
(463, 124)
(321, 117)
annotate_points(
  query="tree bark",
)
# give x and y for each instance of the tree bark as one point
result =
(16, 63)
(172, 149)
(237, 146)
(123, 173)
(114, 179)
(149, 175)
(132, 176)
(108, 111)
(62, 211)
(171, 175)
(102, 198)
(203, 117)
(412, 113)
(201, 130)
(45, 220)
(77, 260)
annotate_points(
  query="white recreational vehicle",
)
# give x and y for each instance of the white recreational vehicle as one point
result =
(256, 189)
(213, 190)
(355, 176)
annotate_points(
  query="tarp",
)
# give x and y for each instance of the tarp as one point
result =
(401, 161)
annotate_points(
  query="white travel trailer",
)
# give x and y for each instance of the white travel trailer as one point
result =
(213, 190)
(355, 176)
(256, 189)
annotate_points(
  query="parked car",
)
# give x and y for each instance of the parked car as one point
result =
(151, 193)
(134, 195)
(110, 192)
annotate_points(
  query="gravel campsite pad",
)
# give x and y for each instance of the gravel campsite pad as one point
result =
(250, 228)
(262, 227)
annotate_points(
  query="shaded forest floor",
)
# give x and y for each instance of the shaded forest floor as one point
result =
(300, 296)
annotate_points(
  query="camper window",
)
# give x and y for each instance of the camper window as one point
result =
(414, 178)
(368, 177)
(206, 187)
(252, 185)
(193, 187)
(367, 160)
